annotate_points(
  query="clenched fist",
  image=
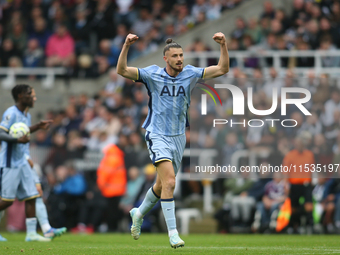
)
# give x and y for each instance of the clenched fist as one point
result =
(219, 38)
(130, 39)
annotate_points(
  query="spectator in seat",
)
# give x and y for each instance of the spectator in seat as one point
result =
(269, 11)
(322, 151)
(56, 157)
(298, 9)
(229, 147)
(336, 13)
(257, 190)
(72, 120)
(119, 39)
(7, 51)
(281, 15)
(302, 61)
(311, 125)
(136, 180)
(254, 31)
(18, 37)
(323, 198)
(214, 10)
(81, 31)
(113, 125)
(140, 49)
(60, 18)
(102, 22)
(33, 55)
(237, 198)
(275, 194)
(60, 48)
(68, 195)
(84, 5)
(326, 45)
(75, 145)
(107, 56)
(273, 82)
(276, 27)
(333, 104)
(311, 35)
(327, 29)
(35, 14)
(143, 24)
(40, 32)
(113, 87)
(240, 29)
(125, 14)
(199, 7)
(14, 62)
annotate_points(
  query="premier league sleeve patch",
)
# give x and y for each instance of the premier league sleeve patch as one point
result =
(6, 122)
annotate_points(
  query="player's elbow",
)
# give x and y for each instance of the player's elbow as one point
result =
(222, 71)
(225, 70)
(120, 71)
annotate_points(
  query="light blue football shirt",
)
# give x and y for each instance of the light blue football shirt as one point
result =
(12, 155)
(169, 98)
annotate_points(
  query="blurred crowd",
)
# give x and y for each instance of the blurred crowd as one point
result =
(312, 25)
(109, 122)
(313, 139)
(86, 36)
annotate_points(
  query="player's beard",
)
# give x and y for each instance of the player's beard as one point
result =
(176, 68)
(30, 104)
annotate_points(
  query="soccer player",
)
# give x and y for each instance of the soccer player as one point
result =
(169, 90)
(40, 208)
(16, 177)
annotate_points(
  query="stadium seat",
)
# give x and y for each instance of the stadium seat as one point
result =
(184, 216)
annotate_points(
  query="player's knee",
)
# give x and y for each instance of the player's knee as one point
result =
(169, 184)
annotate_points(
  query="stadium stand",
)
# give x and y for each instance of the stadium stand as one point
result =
(95, 31)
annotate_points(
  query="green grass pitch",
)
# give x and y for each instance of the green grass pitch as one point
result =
(159, 244)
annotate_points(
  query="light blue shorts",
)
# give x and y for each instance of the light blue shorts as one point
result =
(17, 183)
(163, 148)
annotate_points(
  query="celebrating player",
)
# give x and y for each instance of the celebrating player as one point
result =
(169, 90)
(16, 176)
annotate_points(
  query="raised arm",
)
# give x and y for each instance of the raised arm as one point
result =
(122, 68)
(223, 64)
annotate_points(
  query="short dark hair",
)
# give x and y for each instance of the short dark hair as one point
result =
(18, 89)
(170, 44)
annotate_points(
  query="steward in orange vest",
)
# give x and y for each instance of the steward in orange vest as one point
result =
(111, 173)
